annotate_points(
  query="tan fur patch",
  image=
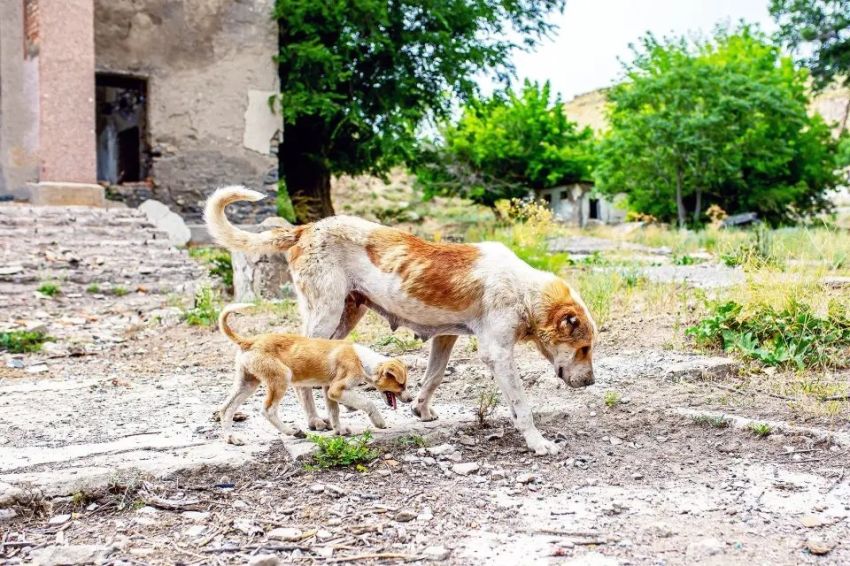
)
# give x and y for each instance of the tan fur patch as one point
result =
(439, 275)
(561, 319)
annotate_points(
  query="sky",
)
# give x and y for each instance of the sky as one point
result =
(583, 53)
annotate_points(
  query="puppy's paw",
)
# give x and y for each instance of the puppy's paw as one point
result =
(377, 420)
(234, 440)
(542, 447)
(424, 412)
(318, 423)
(342, 431)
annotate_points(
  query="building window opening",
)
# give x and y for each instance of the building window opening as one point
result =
(121, 127)
(594, 209)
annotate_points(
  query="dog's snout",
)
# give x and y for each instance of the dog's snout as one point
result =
(405, 396)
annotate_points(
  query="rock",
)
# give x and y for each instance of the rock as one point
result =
(812, 521)
(7, 515)
(701, 549)
(441, 450)
(436, 553)
(467, 440)
(288, 534)
(55, 350)
(616, 441)
(11, 270)
(9, 494)
(335, 490)
(323, 534)
(70, 555)
(455, 457)
(836, 282)
(194, 531)
(59, 519)
(819, 547)
(38, 368)
(405, 516)
(496, 434)
(262, 276)
(172, 224)
(317, 488)
(425, 515)
(247, 527)
(15, 363)
(526, 478)
(702, 369)
(196, 515)
(264, 560)
(325, 552)
(466, 468)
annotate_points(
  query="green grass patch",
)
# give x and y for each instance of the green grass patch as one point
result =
(791, 335)
(760, 429)
(205, 309)
(218, 261)
(412, 441)
(49, 289)
(340, 452)
(612, 399)
(119, 291)
(93, 288)
(23, 341)
(712, 421)
(398, 343)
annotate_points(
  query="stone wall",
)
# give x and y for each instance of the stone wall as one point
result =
(210, 70)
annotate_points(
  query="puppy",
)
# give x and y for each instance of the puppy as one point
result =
(280, 361)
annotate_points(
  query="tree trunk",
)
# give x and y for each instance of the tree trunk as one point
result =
(309, 187)
(698, 206)
(680, 204)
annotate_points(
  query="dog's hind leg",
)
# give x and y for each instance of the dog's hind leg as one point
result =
(441, 350)
(243, 386)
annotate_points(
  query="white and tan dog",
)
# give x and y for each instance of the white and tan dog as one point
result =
(343, 265)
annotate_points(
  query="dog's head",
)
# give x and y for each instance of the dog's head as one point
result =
(391, 380)
(565, 333)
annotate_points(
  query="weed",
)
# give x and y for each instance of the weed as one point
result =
(791, 335)
(488, 400)
(22, 341)
(49, 289)
(755, 253)
(400, 344)
(124, 486)
(218, 261)
(684, 260)
(472, 345)
(119, 291)
(712, 421)
(284, 204)
(93, 288)
(81, 499)
(205, 310)
(612, 399)
(412, 440)
(338, 451)
(760, 429)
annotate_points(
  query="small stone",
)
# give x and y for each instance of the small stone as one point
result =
(247, 527)
(498, 474)
(819, 547)
(11, 269)
(496, 434)
(455, 457)
(194, 531)
(616, 441)
(525, 478)
(436, 553)
(441, 450)
(317, 488)
(410, 459)
(15, 363)
(425, 515)
(466, 468)
(196, 515)
(324, 551)
(264, 560)
(38, 368)
(59, 519)
(288, 534)
(812, 521)
(336, 490)
(704, 548)
(68, 555)
(7, 514)
(637, 476)
(405, 516)
(467, 440)
(323, 534)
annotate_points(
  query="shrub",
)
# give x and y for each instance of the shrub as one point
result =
(760, 429)
(218, 261)
(205, 310)
(793, 335)
(488, 400)
(612, 399)
(22, 341)
(49, 289)
(93, 288)
(338, 451)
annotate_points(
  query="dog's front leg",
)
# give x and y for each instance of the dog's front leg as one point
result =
(498, 356)
(333, 413)
(358, 401)
(314, 421)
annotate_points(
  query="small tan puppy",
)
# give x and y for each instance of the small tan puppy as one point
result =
(280, 361)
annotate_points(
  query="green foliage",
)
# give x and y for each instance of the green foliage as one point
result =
(792, 335)
(504, 145)
(284, 204)
(49, 289)
(755, 253)
(338, 451)
(612, 399)
(488, 400)
(218, 261)
(412, 441)
(22, 341)
(760, 429)
(93, 288)
(723, 122)
(119, 291)
(205, 309)
(400, 344)
(820, 29)
(359, 77)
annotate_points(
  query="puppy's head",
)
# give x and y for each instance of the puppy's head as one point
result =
(391, 380)
(565, 333)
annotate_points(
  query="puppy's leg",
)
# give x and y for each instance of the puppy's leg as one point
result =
(333, 413)
(340, 394)
(497, 354)
(277, 385)
(243, 386)
(441, 350)
(314, 421)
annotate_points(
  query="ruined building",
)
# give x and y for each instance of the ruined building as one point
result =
(136, 99)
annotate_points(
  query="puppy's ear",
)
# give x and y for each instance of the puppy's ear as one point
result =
(397, 372)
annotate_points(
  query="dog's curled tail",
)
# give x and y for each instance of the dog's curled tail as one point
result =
(276, 240)
(226, 330)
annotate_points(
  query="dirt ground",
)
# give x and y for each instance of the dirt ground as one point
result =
(108, 455)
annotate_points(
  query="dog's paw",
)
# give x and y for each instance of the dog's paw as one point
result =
(290, 431)
(378, 420)
(342, 431)
(318, 423)
(424, 412)
(542, 447)
(238, 416)
(234, 440)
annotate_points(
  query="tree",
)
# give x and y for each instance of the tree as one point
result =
(502, 146)
(358, 77)
(718, 122)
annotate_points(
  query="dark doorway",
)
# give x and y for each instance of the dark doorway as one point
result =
(122, 151)
(594, 209)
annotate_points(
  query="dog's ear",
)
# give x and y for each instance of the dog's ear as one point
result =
(568, 324)
(397, 372)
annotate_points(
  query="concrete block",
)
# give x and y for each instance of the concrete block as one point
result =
(169, 222)
(66, 194)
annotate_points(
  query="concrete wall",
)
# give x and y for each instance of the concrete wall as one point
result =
(210, 70)
(18, 104)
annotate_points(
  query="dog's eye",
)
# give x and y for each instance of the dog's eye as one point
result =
(583, 353)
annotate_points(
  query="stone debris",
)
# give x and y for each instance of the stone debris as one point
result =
(436, 553)
(264, 560)
(405, 516)
(818, 546)
(7, 514)
(167, 221)
(70, 555)
(288, 534)
(702, 369)
(466, 468)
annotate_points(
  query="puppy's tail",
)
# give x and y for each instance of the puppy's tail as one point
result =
(226, 330)
(271, 241)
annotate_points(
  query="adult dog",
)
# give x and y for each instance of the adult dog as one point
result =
(343, 265)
